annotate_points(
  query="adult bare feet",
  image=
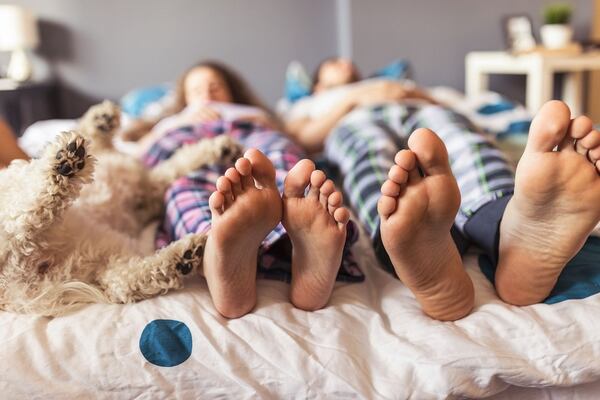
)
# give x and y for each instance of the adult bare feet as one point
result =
(245, 208)
(316, 224)
(555, 205)
(417, 213)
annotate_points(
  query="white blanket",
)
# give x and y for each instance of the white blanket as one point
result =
(372, 341)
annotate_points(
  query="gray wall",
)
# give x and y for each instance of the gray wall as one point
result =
(435, 35)
(103, 48)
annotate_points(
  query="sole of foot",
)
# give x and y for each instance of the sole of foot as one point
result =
(554, 207)
(245, 208)
(417, 212)
(315, 221)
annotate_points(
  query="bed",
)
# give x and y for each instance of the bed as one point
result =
(371, 341)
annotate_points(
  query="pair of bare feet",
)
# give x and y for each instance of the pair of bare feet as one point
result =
(555, 206)
(247, 206)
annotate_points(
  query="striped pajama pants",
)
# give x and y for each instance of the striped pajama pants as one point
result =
(186, 201)
(363, 145)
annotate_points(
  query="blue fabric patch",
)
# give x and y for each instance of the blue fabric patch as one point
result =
(166, 343)
(579, 279)
(397, 69)
(135, 101)
(298, 83)
(515, 128)
(502, 105)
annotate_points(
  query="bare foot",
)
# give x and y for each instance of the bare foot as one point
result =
(416, 216)
(554, 207)
(245, 208)
(316, 224)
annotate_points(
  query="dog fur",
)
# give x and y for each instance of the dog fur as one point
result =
(71, 221)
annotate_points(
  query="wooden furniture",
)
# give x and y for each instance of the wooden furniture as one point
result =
(593, 89)
(25, 103)
(539, 68)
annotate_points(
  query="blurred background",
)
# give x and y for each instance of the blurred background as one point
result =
(89, 50)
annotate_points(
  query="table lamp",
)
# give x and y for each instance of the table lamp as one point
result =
(18, 34)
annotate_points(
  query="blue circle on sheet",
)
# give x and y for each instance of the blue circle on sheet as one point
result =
(166, 343)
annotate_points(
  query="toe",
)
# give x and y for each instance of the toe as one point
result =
(398, 175)
(580, 126)
(216, 202)
(262, 169)
(588, 142)
(390, 188)
(236, 180)
(224, 187)
(334, 201)
(386, 206)
(244, 168)
(341, 216)
(430, 152)
(549, 127)
(594, 154)
(317, 179)
(298, 179)
(407, 160)
(326, 190)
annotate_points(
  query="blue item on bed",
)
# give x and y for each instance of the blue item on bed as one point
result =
(579, 279)
(397, 69)
(135, 101)
(298, 83)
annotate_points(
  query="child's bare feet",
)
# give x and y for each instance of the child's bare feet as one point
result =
(416, 216)
(245, 208)
(316, 224)
(554, 208)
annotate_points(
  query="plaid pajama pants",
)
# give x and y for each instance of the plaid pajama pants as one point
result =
(363, 146)
(187, 209)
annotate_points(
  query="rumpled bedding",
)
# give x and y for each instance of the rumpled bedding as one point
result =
(371, 341)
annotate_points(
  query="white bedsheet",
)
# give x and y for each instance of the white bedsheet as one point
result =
(372, 341)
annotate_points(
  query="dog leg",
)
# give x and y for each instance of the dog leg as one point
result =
(100, 123)
(125, 281)
(220, 150)
(62, 171)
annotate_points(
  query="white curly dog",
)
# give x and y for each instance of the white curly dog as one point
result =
(71, 222)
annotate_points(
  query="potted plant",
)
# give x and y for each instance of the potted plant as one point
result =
(556, 32)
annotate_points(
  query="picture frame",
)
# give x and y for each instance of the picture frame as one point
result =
(518, 33)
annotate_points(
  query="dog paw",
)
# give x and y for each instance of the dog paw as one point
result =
(229, 149)
(192, 257)
(103, 118)
(70, 159)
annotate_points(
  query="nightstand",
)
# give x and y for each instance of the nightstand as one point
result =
(539, 68)
(22, 104)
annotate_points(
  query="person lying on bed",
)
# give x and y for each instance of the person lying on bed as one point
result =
(241, 208)
(423, 204)
(9, 149)
(208, 104)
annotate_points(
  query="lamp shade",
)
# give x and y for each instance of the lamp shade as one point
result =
(18, 28)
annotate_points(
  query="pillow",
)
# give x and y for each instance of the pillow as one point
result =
(136, 102)
(397, 70)
(298, 83)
